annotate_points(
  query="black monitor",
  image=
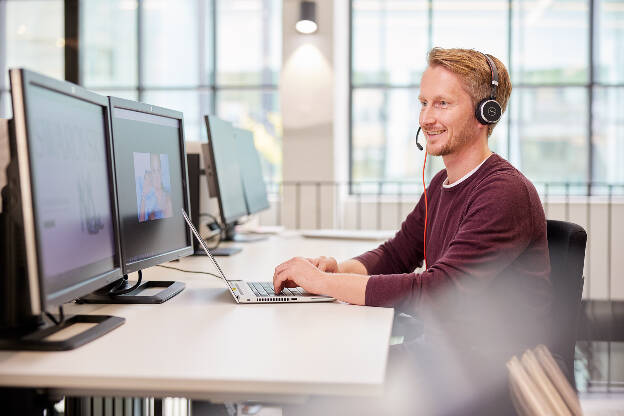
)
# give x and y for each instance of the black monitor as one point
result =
(224, 178)
(226, 170)
(59, 221)
(251, 172)
(152, 191)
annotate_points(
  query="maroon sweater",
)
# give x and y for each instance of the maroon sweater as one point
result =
(487, 253)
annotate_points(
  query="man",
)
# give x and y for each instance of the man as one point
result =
(485, 292)
(155, 199)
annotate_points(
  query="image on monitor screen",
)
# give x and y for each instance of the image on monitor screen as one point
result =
(153, 186)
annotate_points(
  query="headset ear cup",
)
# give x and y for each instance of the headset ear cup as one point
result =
(488, 111)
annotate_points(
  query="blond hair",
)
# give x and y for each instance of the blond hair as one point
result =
(474, 71)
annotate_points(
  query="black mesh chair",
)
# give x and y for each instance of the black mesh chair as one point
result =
(566, 246)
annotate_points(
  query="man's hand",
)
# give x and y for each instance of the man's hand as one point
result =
(325, 264)
(298, 272)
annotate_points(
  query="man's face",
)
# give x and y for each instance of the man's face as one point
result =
(155, 171)
(447, 113)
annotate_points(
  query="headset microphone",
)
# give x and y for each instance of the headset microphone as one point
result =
(418, 145)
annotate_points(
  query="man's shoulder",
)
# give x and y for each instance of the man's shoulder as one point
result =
(505, 187)
(502, 174)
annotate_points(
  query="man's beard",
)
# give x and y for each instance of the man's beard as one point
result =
(457, 141)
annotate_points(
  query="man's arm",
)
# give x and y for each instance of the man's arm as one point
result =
(330, 265)
(352, 266)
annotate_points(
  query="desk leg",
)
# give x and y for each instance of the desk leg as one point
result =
(205, 408)
(158, 407)
(26, 402)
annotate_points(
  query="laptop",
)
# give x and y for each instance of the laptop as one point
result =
(258, 292)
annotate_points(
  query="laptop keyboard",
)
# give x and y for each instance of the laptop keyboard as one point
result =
(266, 289)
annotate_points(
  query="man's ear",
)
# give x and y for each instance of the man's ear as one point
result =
(481, 127)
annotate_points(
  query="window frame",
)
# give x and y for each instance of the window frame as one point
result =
(591, 86)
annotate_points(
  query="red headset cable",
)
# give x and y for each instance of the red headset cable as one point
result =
(426, 212)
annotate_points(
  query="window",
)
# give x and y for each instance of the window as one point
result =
(565, 118)
(31, 36)
(195, 56)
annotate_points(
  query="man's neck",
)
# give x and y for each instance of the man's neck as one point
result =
(462, 161)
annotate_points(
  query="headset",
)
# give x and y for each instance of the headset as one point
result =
(488, 111)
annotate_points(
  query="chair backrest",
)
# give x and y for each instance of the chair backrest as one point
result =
(566, 247)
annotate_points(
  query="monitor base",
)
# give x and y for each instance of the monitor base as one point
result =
(248, 238)
(169, 290)
(220, 251)
(42, 339)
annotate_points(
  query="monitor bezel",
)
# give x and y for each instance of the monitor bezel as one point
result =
(40, 300)
(120, 103)
(227, 220)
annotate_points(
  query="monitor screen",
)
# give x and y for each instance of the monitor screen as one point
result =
(66, 132)
(224, 160)
(150, 165)
(251, 172)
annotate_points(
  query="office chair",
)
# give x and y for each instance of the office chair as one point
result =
(566, 247)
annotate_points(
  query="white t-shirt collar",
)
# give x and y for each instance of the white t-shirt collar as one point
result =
(446, 185)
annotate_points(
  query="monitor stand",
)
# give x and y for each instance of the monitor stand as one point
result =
(248, 238)
(131, 292)
(229, 235)
(232, 235)
(37, 338)
(219, 251)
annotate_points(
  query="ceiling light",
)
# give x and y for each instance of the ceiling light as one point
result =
(307, 18)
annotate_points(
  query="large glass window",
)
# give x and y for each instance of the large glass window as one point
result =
(196, 56)
(258, 111)
(562, 84)
(248, 61)
(32, 37)
(108, 44)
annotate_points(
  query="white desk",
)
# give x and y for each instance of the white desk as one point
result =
(202, 345)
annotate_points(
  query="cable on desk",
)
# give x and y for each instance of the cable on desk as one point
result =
(116, 292)
(61, 316)
(217, 226)
(206, 214)
(188, 271)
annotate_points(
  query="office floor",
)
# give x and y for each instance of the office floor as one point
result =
(600, 378)
(602, 404)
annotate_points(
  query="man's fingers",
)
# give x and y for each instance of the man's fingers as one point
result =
(315, 262)
(280, 280)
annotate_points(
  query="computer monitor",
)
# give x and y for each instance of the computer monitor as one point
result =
(59, 220)
(251, 172)
(223, 174)
(152, 191)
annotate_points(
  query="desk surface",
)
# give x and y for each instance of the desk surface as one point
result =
(200, 344)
